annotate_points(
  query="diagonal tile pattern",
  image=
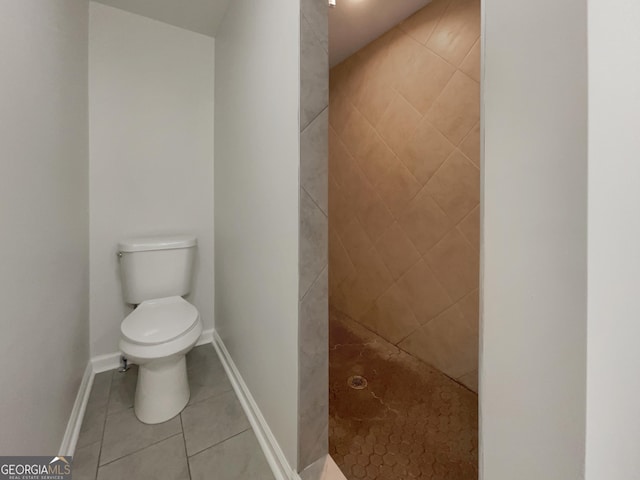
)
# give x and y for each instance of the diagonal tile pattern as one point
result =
(404, 181)
(211, 434)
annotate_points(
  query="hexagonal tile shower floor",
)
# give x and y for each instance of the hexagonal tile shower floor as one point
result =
(409, 421)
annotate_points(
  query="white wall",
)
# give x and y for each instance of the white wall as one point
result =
(44, 220)
(151, 89)
(613, 380)
(534, 240)
(256, 204)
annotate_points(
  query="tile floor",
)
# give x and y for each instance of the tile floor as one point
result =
(410, 422)
(211, 438)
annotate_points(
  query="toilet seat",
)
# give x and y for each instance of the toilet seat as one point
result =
(159, 321)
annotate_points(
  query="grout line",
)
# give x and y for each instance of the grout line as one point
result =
(104, 425)
(326, 214)
(184, 442)
(220, 442)
(140, 450)
(315, 117)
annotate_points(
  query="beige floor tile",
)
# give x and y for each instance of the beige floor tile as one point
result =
(455, 186)
(425, 151)
(457, 31)
(234, 459)
(165, 460)
(212, 421)
(457, 109)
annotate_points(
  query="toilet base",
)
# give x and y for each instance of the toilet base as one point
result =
(162, 391)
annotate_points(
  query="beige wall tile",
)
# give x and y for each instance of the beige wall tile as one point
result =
(471, 64)
(398, 123)
(342, 165)
(341, 211)
(375, 99)
(455, 264)
(447, 343)
(424, 79)
(356, 242)
(421, 24)
(401, 49)
(398, 110)
(457, 31)
(373, 214)
(423, 293)
(376, 160)
(390, 316)
(397, 251)
(470, 227)
(371, 280)
(455, 186)
(340, 266)
(425, 151)
(457, 109)
(424, 222)
(357, 133)
(470, 380)
(398, 187)
(470, 146)
(339, 110)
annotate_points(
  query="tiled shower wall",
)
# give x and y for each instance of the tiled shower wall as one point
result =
(313, 405)
(404, 184)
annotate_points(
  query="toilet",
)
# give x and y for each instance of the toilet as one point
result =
(156, 273)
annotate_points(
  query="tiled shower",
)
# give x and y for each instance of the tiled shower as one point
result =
(404, 180)
(404, 248)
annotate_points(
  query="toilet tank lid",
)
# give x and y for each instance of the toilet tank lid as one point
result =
(167, 242)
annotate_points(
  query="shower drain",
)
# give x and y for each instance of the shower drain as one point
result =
(357, 382)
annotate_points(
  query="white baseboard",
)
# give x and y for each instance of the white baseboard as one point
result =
(103, 363)
(205, 337)
(70, 439)
(98, 364)
(272, 451)
(111, 361)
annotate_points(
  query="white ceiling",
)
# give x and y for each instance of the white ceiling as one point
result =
(202, 16)
(354, 23)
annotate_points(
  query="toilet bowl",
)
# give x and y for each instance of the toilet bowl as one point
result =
(157, 336)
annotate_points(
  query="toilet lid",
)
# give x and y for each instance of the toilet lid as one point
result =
(159, 321)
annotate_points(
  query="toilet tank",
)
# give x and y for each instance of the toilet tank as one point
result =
(156, 267)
